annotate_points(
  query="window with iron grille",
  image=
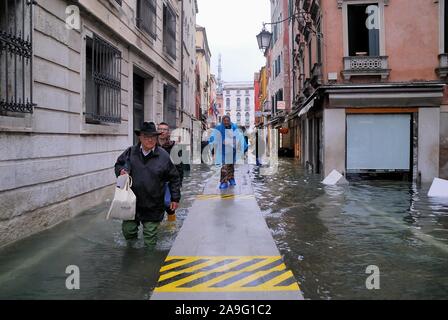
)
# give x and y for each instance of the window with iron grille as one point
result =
(103, 82)
(16, 52)
(169, 31)
(169, 105)
(147, 16)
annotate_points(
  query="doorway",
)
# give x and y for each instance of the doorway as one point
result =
(379, 146)
(139, 104)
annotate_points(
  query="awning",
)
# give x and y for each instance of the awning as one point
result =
(276, 121)
(418, 94)
(307, 107)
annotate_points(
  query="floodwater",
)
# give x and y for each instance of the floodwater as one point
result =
(327, 235)
(330, 235)
(35, 268)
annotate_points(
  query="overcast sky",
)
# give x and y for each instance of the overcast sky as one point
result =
(232, 26)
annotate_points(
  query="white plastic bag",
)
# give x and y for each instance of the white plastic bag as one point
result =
(124, 203)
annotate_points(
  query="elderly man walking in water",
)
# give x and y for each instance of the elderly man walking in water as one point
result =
(151, 168)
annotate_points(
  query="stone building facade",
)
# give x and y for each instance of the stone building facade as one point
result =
(203, 75)
(188, 116)
(371, 101)
(77, 77)
(239, 103)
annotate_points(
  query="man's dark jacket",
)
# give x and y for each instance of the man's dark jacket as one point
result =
(149, 175)
(168, 147)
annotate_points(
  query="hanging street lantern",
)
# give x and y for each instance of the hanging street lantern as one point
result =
(264, 39)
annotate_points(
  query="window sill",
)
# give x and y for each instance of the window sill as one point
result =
(151, 39)
(103, 128)
(17, 124)
(117, 7)
(169, 56)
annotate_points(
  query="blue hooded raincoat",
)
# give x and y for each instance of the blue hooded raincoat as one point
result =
(235, 143)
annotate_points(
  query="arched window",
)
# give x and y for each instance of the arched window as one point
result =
(228, 103)
(247, 116)
(238, 117)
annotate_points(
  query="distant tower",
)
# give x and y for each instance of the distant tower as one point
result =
(220, 82)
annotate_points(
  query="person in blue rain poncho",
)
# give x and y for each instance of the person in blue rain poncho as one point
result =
(229, 147)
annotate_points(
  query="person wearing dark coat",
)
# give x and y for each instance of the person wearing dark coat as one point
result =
(167, 144)
(150, 167)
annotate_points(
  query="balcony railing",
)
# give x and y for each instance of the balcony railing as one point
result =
(442, 70)
(366, 66)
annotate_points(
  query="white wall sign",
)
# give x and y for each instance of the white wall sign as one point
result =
(281, 105)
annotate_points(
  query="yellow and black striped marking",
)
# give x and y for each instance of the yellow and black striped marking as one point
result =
(224, 197)
(225, 274)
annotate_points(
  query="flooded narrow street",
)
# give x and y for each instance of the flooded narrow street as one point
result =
(328, 236)
(34, 268)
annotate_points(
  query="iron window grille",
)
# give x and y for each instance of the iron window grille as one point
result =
(169, 31)
(16, 56)
(147, 16)
(103, 81)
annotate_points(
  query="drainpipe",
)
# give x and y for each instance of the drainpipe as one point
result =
(293, 46)
(182, 64)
